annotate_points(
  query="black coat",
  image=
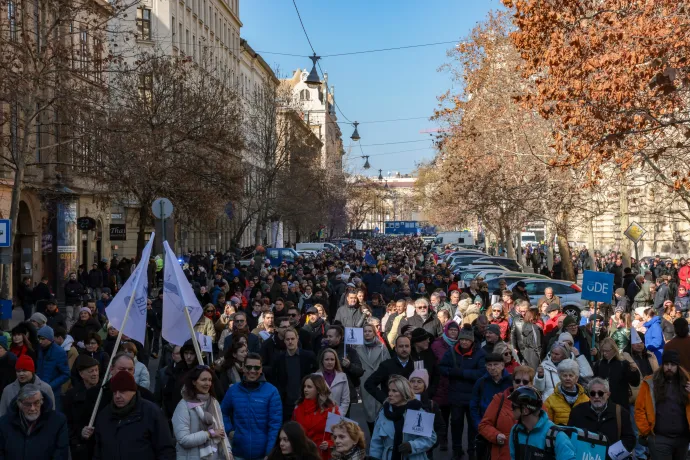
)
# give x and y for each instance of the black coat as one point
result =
(377, 383)
(42, 292)
(143, 434)
(620, 376)
(7, 372)
(95, 278)
(431, 365)
(49, 438)
(279, 377)
(80, 331)
(56, 319)
(78, 409)
(431, 325)
(582, 416)
(73, 292)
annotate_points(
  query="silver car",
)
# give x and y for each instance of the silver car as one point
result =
(569, 292)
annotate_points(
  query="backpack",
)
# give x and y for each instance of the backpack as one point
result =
(586, 444)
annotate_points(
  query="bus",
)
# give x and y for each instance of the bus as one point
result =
(402, 227)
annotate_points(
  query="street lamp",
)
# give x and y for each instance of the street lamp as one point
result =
(380, 176)
(313, 80)
(366, 162)
(355, 134)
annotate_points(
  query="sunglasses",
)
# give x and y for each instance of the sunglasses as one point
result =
(293, 315)
(507, 353)
(521, 381)
(252, 368)
(598, 394)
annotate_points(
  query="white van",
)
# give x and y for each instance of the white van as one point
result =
(316, 247)
(463, 238)
(528, 238)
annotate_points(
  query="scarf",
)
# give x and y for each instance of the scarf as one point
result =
(450, 342)
(396, 414)
(26, 424)
(201, 407)
(371, 344)
(570, 396)
(329, 376)
(122, 412)
(355, 453)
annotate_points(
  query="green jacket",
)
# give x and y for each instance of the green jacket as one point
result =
(644, 296)
(622, 338)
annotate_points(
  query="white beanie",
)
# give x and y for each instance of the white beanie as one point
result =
(566, 337)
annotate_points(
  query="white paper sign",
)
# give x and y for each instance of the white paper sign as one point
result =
(354, 336)
(419, 423)
(334, 419)
(618, 452)
(205, 342)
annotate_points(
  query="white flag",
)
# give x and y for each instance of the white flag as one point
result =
(135, 327)
(177, 295)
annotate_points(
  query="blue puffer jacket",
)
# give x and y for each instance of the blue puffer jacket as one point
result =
(654, 337)
(532, 445)
(52, 368)
(462, 370)
(483, 393)
(255, 415)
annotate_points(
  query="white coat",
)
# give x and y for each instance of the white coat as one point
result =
(371, 358)
(340, 392)
(547, 383)
(190, 432)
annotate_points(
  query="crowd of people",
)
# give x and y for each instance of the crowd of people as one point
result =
(499, 373)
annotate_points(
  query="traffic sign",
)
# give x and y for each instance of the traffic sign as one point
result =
(635, 232)
(597, 286)
(162, 208)
(5, 233)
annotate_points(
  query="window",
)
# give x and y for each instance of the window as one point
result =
(186, 42)
(38, 133)
(12, 17)
(179, 29)
(304, 95)
(174, 35)
(144, 23)
(84, 50)
(194, 47)
(98, 58)
(146, 87)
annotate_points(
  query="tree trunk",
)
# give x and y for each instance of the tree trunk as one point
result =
(566, 258)
(624, 223)
(509, 242)
(257, 231)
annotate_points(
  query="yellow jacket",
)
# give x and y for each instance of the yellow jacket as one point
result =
(645, 407)
(393, 334)
(558, 409)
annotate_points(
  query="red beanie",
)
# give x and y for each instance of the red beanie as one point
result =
(123, 381)
(25, 363)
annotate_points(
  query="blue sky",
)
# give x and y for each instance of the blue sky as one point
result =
(376, 86)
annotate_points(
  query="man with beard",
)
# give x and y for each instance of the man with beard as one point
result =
(266, 328)
(601, 415)
(662, 409)
(274, 345)
(31, 429)
(305, 341)
(316, 327)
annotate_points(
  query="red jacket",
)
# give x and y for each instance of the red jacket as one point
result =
(551, 324)
(683, 275)
(503, 325)
(313, 420)
(497, 419)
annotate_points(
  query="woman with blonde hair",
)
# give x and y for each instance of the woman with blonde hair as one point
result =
(388, 440)
(621, 373)
(349, 441)
(311, 412)
(332, 372)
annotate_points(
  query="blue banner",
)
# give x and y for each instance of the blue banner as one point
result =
(597, 286)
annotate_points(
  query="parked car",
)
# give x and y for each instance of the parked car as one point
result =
(510, 277)
(569, 292)
(277, 256)
(505, 261)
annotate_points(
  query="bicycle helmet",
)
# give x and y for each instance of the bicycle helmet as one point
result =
(526, 397)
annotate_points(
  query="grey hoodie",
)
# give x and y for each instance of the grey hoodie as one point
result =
(12, 390)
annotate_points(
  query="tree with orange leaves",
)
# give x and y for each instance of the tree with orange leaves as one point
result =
(613, 78)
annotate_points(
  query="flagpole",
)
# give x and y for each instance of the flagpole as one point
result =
(199, 358)
(110, 363)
